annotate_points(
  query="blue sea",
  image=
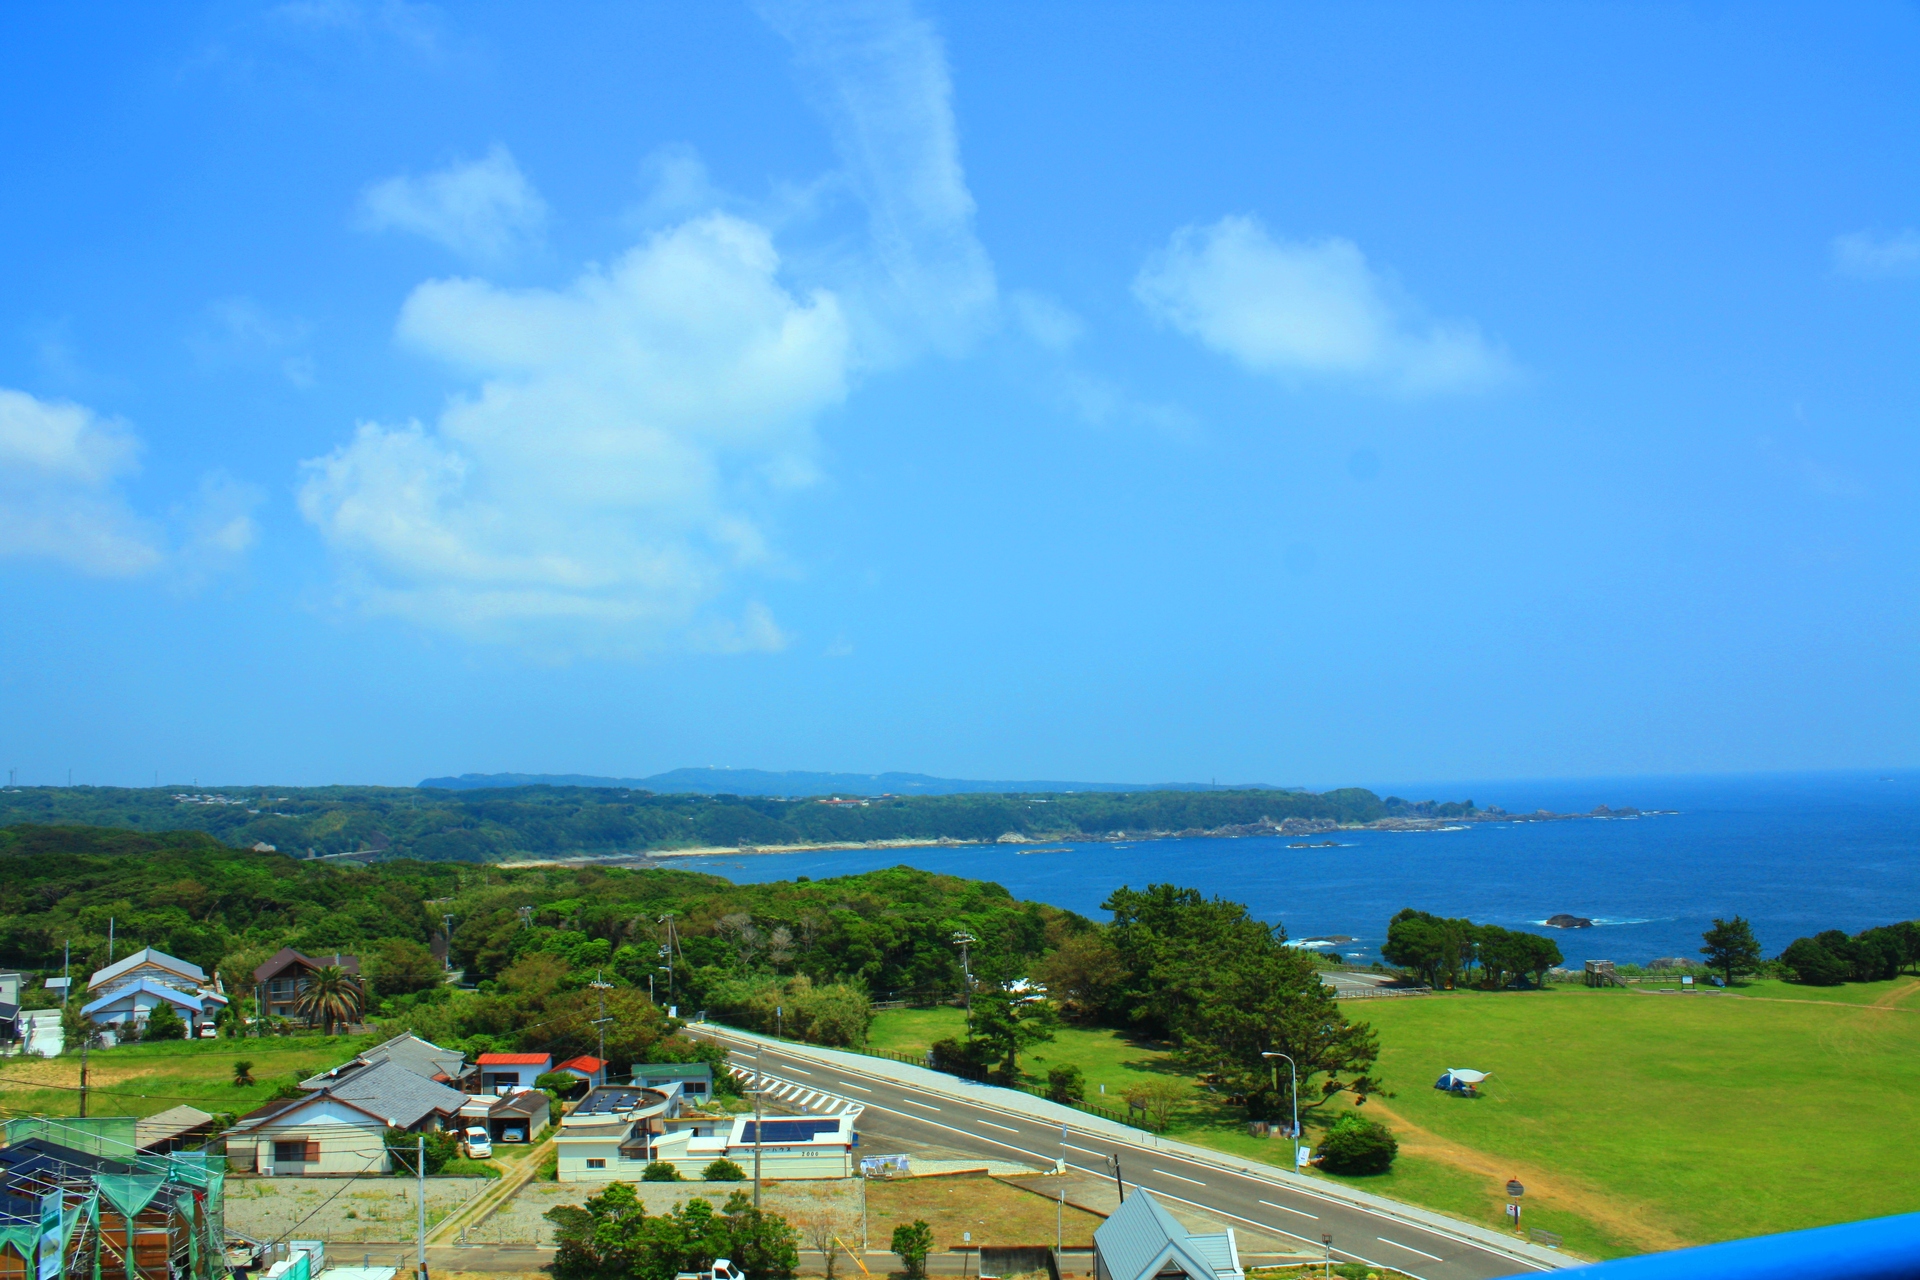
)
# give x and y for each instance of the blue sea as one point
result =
(1794, 854)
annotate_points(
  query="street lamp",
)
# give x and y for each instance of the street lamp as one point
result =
(1326, 1238)
(1293, 1074)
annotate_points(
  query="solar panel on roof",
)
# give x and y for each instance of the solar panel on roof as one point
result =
(790, 1130)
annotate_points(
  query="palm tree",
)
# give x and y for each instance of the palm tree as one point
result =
(329, 995)
(242, 1073)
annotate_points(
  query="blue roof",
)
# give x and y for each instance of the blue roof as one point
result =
(788, 1130)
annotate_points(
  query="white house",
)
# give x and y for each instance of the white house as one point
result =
(616, 1131)
(500, 1072)
(585, 1067)
(128, 991)
(301, 1137)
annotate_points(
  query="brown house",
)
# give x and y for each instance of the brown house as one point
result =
(280, 978)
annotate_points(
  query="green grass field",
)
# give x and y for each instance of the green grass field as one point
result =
(1637, 1121)
(140, 1079)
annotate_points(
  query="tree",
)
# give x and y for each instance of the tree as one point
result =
(330, 996)
(912, 1244)
(403, 1150)
(1004, 1022)
(1437, 950)
(612, 1237)
(1081, 975)
(1066, 1084)
(1157, 1098)
(661, 1171)
(1813, 964)
(561, 1084)
(402, 967)
(825, 1225)
(761, 1244)
(1731, 948)
(1358, 1145)
(242, 1073)
(163, 1024)
(723, 1171)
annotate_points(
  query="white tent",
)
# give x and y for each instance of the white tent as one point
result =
(1460, 1078)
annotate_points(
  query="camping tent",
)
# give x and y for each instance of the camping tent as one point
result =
(1460, 1080)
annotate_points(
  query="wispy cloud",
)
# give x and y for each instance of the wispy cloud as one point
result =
(1872, 256)
(878, 73)
(1301, 309)
(484, 210)
(60, 500)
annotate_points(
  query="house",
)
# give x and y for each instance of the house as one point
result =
(617, 1130)
(518, 1116)
(694, 1078)
(279, 980)
(179, 1128)
(302, 1137)
(422, 1057)
(585, 1067)
(404, 1098)
(1142, 1241)
(127, 992)
(502, 1071)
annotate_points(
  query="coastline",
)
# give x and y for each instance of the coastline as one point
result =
(1286, 827)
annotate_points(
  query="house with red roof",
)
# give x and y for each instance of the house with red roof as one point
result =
(586, 1067)
(503, 1072)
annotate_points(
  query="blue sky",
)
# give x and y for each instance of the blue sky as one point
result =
(1305, 394)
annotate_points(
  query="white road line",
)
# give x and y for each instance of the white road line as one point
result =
(790, 1067)
(1003, 1128)
(848, 1084)
(1287, 1209)
(1410, 1249)
(1195, 1181)
(928, 1105)
(1089, 1150)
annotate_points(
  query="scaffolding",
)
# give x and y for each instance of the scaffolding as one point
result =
(89, 1205)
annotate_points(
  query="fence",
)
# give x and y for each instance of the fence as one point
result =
(1380, 993)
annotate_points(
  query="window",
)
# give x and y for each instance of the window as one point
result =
(596, 1164)
(298, 1151)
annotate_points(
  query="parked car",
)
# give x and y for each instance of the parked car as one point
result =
(476, 1145)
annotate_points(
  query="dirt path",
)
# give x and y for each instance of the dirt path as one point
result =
(1629, 1223)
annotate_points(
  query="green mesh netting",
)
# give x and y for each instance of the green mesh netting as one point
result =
(129, 1192)
(108, 1136)
(21, 1240)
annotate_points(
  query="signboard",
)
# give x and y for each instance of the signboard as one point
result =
(1302, 1158)
(52, 1259)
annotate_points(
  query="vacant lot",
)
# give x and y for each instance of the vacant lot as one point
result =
(1636, 1120)
(140, 1079)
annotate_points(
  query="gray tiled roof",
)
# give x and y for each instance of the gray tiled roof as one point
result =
(422, 1057)
(1142, 1239)
(389, 1089)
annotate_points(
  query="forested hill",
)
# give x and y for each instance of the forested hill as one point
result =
(522, 822)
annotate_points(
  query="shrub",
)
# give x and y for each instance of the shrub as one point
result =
(404, 1148)
(723, 1171)
(912, 1244)
(1814, 965)
(1066, 1084)
(957, 1058)
(560, 1084)
(1358, 1145)
(660, 1171)
(163, 1024)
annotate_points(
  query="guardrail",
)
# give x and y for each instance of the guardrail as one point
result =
(1378, 993)
(1878, 1249)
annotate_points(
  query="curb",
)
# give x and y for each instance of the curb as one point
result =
(1013, 1102)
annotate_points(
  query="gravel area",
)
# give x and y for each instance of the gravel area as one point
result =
(519, 1221)
(341, 1209)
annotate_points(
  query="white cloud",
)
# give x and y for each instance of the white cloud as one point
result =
(1046, 321)
(604, 481)
(219, 525)
(239, 331)
(59, 467)
(482, 209)
(1300, 309)
(1871, 256)
(879, 75)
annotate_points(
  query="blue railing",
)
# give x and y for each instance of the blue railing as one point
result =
(1878, 1249)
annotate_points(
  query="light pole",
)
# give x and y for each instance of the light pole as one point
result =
(759, 1125)
(1294, 1075)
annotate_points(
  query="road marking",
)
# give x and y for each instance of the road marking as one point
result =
(1410, 1249)
(915, 1102)
(1089, 1150)
(1286, 1209)
(801, 1070)
(848, 1084)
(1003, 1128)
(1195, 1181)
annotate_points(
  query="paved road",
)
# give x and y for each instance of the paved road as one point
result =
(935, 1117)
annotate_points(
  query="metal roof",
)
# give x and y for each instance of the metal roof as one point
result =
(389, 1089)
(1141, 1240)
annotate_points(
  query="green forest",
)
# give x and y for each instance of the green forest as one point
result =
(1170, 965)
(435, 825)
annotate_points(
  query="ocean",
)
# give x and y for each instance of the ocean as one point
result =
(1794, 854)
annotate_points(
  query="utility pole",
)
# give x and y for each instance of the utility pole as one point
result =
(600, 1023)
(66, 972)
(1113, 1162)
(1060, 1211)
(109, 938)
(667, 951)
(448, 922)
(759, 1124)
(964, 940)
(420, 1179)
(86, 1039)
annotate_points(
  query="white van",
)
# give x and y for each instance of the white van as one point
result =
(476, 1144)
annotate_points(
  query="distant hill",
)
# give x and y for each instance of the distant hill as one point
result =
(762, 782)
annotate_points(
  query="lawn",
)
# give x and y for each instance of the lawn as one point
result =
(140, 1079)
(1636, 1121)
